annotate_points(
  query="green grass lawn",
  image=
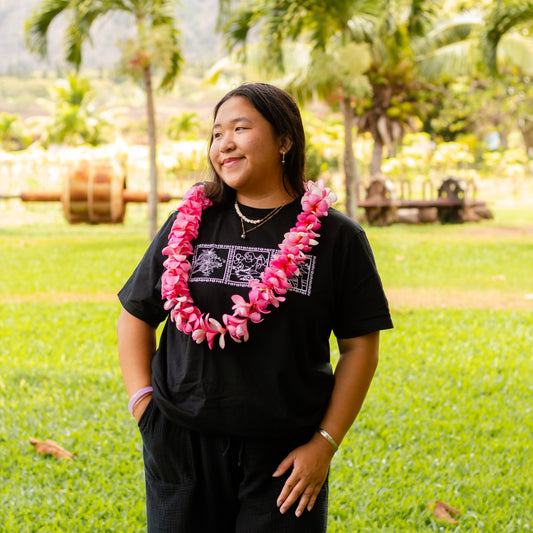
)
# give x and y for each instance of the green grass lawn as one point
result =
(448, 416)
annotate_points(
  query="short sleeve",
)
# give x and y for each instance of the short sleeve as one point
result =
(141, 295)
(361, 306)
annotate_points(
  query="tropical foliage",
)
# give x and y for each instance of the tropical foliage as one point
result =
(389, 67)
(73, 119)
(483, 107)
(398, 93)
(156, 46)
(348, 39)
(417, 52)
(483, 57)
(12, 136)
(183, 126)
(332, 31)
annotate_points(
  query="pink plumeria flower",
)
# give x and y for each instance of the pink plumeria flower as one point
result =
(237, 327)
(208, 329)
(245, 309)
(275, 279)
(285, 264)
(263, 296)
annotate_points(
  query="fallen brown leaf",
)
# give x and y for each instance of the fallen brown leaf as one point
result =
(444, 512)
(50, 447)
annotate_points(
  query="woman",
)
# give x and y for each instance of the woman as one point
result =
(241, 414)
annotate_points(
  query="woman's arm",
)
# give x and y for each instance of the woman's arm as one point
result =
(310, 462)
(357, 363)
(136, 346)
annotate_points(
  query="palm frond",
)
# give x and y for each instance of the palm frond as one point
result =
(237, 27)
(172, 70)
(224, 13)
(451, 61)
(362, 28)
(421, 15)
(163, 16)
(516, 51)
(448, 32)
(36, 27)
(163, 12)
(501, 20)
(78, 32)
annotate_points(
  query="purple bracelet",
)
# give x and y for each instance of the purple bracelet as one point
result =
(138, 396)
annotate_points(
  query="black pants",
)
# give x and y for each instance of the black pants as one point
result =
(198, 483)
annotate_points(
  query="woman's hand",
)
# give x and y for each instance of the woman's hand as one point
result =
(310, 466)
(140, 407)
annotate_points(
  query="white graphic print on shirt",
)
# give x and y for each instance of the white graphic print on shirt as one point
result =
(236, 265)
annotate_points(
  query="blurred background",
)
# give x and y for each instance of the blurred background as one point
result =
(406, 92)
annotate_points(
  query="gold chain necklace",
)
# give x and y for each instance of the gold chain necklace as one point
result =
(257, 223)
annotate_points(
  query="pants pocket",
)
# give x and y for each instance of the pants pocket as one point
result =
(143, 421)
(167, 448)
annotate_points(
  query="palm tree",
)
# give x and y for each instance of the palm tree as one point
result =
(336, 74)
(11, 137)
(330, 28)
(487, 48)
(156, 46)
(398, 94)
(73, 122)
(388, 28)
(415, 52)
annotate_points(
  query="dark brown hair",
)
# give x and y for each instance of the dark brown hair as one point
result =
(282, 112)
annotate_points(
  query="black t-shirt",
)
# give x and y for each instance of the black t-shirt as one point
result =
(279, 381)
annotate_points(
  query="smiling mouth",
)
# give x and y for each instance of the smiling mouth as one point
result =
(231, 161)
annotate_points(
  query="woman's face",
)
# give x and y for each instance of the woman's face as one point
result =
(245, 152)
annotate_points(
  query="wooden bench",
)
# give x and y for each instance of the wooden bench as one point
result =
(451, 206)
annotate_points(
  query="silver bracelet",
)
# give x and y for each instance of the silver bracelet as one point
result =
(329, 438)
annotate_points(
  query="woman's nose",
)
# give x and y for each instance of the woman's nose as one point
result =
(227, 143)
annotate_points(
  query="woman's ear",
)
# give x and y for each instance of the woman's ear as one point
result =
(286, 145)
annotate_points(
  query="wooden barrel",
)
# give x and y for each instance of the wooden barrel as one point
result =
(93, 192)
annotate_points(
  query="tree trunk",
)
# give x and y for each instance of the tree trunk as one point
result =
(377, 156)
(526, 129)
(351, 178)
(153, 198)
(504, 139)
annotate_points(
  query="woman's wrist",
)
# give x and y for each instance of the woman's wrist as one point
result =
(140, 406)
(138, 396)
(325, 435)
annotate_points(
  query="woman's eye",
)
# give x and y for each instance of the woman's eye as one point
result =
(217, 135)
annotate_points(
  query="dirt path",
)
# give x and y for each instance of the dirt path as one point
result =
(498, 232)
(60, 297)
(399, 298)
(435, 297)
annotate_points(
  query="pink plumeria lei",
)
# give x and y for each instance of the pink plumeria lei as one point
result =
(263, 293)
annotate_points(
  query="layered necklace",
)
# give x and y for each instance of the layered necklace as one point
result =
(256, 223)
(264, 292)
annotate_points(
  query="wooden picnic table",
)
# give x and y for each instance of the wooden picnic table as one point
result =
(451, 205)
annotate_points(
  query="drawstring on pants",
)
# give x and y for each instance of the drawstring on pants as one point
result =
(233, 442)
